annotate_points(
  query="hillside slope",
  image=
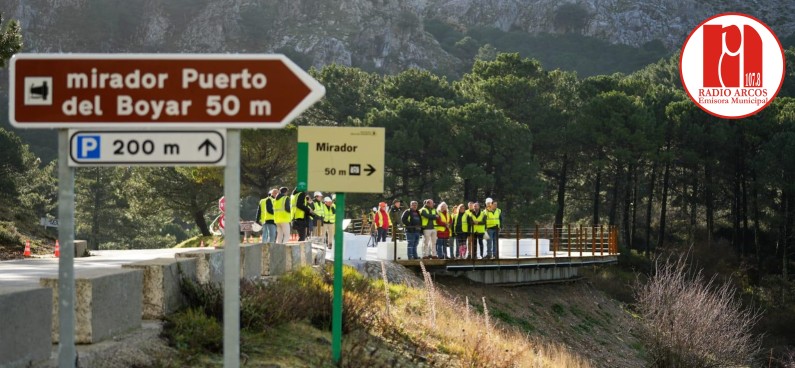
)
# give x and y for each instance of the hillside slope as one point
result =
(380, 35)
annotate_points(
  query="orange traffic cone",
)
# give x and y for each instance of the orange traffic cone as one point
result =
(27, 249)
(57, 249)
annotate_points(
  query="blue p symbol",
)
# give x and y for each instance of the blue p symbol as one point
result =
(88, 147)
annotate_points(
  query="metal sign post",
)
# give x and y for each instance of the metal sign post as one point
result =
(232, 253)
(336, 308)
(66, 267)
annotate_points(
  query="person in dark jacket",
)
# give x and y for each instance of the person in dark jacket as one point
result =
(303, 214)
(413, 223)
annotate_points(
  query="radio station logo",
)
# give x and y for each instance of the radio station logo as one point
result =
(732, 65)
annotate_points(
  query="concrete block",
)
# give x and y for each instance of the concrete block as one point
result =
(81, 248)
(274, 259)
(26, 320)
(386, 250)
(209, 264)
(527, 248)
(108, 302)
(354, 246)
(161, 284)
(298, 255)
(250, 261)
(318, 255)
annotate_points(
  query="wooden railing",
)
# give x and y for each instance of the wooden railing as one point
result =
(573, 240)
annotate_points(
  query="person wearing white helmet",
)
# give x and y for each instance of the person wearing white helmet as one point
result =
(317, 222)
(329, 218)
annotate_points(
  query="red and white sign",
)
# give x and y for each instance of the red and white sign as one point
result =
(157, 90)
(732, 65)
(222, 204)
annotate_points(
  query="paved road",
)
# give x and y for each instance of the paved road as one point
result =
(26, 272)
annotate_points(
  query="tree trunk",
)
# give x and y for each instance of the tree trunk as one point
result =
(649, 203)
(614, 202)
(597, 189)
(744, 184)
(201, 222)
(693, 207)
(708, 202)
(562, 192)
(664, 204)
(627, 204)
(755, 214)
(98, 191)
(632, 232)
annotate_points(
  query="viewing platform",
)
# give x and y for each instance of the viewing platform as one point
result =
(523, 255)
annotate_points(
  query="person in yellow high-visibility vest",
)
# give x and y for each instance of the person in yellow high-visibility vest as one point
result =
(266, 217)
(476, 221)
(428, 216)
(317, 207)
(301, 213)
(282, 216)
(493, 226)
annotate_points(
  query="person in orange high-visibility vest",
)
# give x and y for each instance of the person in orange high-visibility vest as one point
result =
(382, 222)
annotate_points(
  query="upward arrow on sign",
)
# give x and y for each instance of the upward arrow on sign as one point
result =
(207, 145)
(157, 90)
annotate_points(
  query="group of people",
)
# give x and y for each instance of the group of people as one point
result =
(279, 213)
(445, 232)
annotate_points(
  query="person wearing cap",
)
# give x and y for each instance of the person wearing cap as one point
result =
(412, 221)
(382, 222)
(493, 225)
(428, 213)
(317, 207)
(329, 218)
(394, 215)
(281, 216)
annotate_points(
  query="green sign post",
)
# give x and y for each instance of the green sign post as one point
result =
(340, 160)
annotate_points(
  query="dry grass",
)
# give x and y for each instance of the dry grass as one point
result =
(449, 334)
(424, 327)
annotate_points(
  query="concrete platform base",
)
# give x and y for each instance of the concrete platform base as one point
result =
(108, 302)
(26, 320)
(520, 275)
(161, 284)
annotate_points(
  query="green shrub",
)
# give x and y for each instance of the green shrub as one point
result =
(9, 234)
(193, 332)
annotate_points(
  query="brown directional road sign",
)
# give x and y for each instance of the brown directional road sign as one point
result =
(158, 90)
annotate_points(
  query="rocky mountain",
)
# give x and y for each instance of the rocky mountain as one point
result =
(378, 35)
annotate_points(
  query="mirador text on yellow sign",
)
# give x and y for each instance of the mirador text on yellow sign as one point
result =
(341, 159)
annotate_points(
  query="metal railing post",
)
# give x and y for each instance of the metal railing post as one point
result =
(536, 236)
(517, 240)
(568, 238)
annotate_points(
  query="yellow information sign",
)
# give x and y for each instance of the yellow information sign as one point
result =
(341, 159)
